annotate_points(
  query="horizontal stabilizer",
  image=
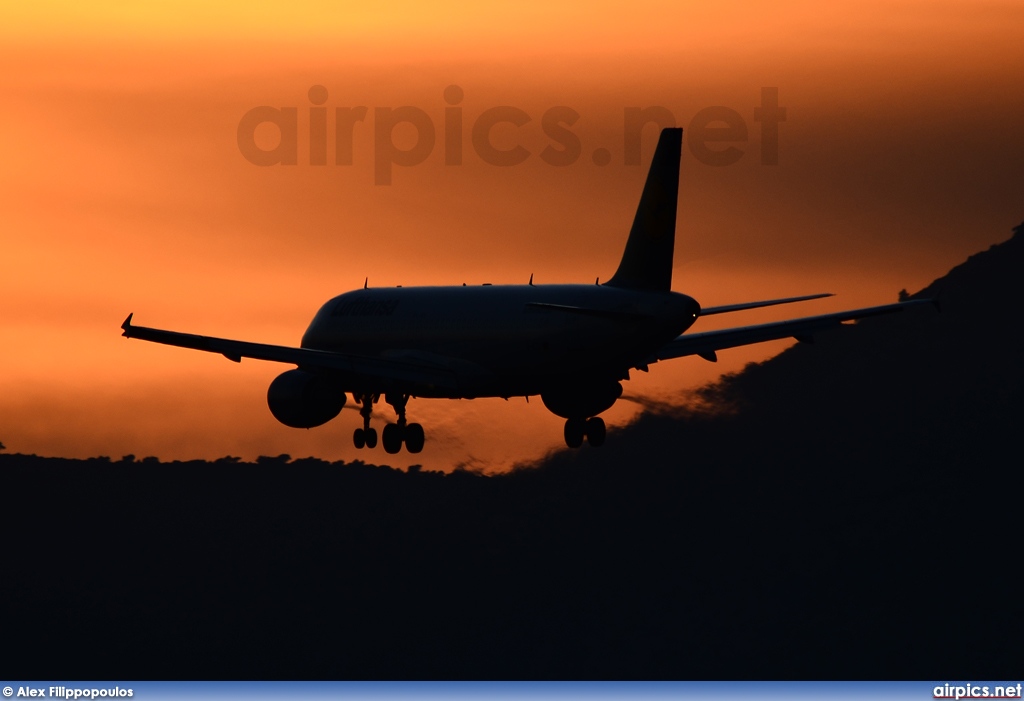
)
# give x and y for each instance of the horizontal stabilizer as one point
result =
(756, 305)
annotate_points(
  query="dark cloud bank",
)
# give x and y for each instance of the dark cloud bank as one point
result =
(858, 515)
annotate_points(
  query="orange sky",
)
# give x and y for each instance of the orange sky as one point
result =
(123, 188)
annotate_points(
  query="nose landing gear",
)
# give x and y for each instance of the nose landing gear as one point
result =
(365, 436)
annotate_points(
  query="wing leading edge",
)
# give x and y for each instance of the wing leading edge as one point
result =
(705, 344)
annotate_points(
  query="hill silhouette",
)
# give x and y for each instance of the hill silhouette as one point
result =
(854, 514)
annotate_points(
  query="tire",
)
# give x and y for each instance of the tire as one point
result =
(414, 438)
(359, 439)
(371, 438)
(574, 430)
(391, 437)
(596, 431)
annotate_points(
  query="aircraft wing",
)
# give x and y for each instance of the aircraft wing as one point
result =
(705, 344)
(385, 370)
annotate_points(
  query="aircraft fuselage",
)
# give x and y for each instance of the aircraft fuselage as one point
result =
(571, 344)
(504, 340)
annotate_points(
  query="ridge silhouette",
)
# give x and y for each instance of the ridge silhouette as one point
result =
(854, 515)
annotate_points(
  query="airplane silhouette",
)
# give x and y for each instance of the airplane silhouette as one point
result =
(571, 344)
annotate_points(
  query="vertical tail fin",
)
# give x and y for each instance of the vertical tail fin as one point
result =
(647, 261)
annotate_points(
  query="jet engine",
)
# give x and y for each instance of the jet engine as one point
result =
(581, 400)
(301, 399)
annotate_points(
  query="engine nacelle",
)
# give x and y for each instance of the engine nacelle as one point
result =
(581, 400)
(301, 399)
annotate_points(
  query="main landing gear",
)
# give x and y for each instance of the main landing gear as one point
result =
(393, 435)
(593, 429)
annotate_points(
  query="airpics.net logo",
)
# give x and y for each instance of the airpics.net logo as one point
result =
(977, 691)
(714, 135)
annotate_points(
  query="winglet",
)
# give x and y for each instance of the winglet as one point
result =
(127, 325)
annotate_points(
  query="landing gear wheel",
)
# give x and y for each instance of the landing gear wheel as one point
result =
(365, 436)
(596, 431)
(414, 438)
(574, 430)
(392, 438)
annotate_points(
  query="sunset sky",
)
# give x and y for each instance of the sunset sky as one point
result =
(124, 189)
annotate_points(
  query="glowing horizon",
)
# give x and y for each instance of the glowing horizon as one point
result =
(124, 189)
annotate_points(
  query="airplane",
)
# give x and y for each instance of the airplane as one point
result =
(573, 345)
